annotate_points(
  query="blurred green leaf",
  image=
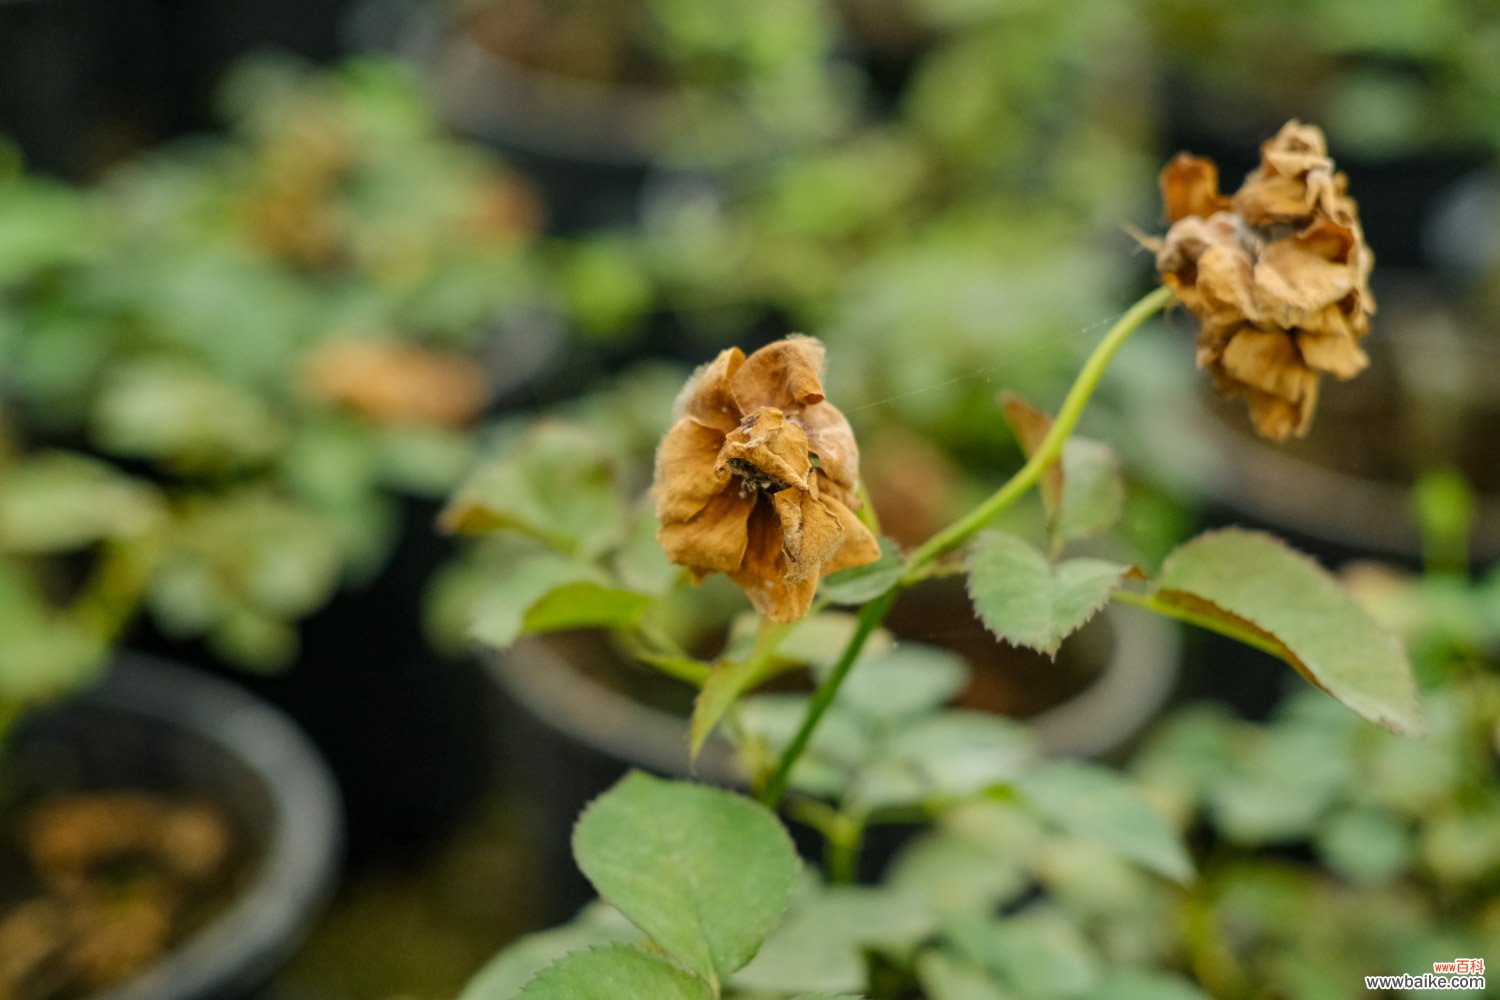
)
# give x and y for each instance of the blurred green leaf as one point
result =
(945, 977)
(1094, 802)
(43, 225)
(498, 617)
(641, 562)
(861, 584)
(766, 724)
(504, 975)
(908, 679)
(957, 875)
(1143, 984)
(705, 873)
(168, 410)
(43, 654)
(59, 501)
(575, 605)
(1027, 600)
(613, 972)
(1251, 579)
(1366, 846)
(1035, 953)
(425, 461)
(1093, 493)
(556, 485)
(949, 755)
(821, 943)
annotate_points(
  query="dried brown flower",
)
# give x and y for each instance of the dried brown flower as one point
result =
(757, 478)
(387, 382)
(1277, 274)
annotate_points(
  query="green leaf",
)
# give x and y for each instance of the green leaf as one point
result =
(1367, 846)
(1094, 802)
(426, 461)
(556, 484)
(170, 410)
(1143, 984)
(944, 977)
(821, 944)
(499, 616)
(958, 753)
(1253, 580)
(641, 563)
(576, 605)
(504, 975)
(1093, 492)
(43, 655)
(705, 873)
(1027, 600)
(862, 584)
(906, 680)
(614, 972)
(57, 501)
(956, 875)
(725, 683)
(1036, 953)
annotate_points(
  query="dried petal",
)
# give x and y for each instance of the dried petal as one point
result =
(1190, 186)
(1277, 274)
(757, 479)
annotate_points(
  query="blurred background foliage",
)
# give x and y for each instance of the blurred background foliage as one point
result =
(232, 284)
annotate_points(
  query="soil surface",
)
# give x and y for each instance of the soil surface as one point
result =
(96, 887)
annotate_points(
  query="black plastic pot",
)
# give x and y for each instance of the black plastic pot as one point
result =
(153, 726)
(409, 735)
(571, 737)
(84, 82)
(590, 147)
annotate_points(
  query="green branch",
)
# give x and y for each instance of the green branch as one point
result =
(1051, 447)
(873, 614)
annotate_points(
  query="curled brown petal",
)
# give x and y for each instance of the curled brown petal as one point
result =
(1277, 274)
(758, 478)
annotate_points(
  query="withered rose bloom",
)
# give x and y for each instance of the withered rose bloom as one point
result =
(757, 478)
(1277, 274)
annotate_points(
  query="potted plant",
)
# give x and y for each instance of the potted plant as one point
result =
(292, 332)
(1394, 837)
(164, 834)
(593, 94)
(759, 479)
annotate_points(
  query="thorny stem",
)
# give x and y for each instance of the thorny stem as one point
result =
(870, 617)
(1051, 447)
(950, 538)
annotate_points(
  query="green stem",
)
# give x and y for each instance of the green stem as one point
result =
(870, 617)
(113, 593)
(845, 838)
(966, 527)
(1153, 602)
(1051, 447)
